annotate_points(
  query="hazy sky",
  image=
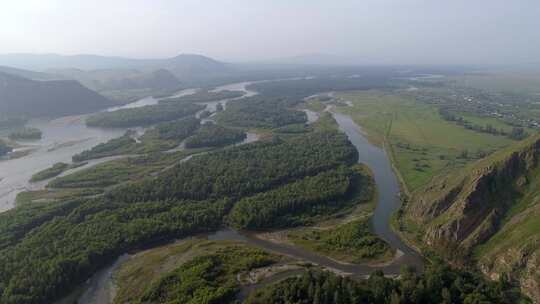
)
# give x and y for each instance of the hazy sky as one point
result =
(372, 31)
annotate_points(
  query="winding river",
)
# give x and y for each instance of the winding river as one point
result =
(67, 136)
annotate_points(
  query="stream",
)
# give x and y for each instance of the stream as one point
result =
(69, 135)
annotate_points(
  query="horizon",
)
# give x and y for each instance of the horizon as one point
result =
(372, 32)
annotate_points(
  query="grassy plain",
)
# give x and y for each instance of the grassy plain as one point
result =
(422, 144)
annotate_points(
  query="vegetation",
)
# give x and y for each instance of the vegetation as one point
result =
(212, 135)
(204, 96)
(244, 170)
(26, 134)
(261, 112)
(439, 284)
(517, 133)
(4, 148)
(143, 116)
(64, 243)
(294, 203)
(53, 171)
(115, 146)
(207, 279)
(351, 242)
(422, 144)
(177, 130)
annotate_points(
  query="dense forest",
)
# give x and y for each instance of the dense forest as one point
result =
(438, 284)
(4, 148)
(54, 171)
(26, 134)
(261, 112)
(244, 170)
(115, 146)
(204, 96)
(213, 135)
(64, 243)
(143, 116)
(293, 203)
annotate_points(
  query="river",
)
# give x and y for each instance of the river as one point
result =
(67, 136)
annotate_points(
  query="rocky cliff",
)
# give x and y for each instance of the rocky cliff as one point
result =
(488, 214)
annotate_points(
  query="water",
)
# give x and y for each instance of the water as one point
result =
(61, 139)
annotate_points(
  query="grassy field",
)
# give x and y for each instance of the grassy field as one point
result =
(423, 145)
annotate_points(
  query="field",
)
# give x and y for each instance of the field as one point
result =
(423, 145)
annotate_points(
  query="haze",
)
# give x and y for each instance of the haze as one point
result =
(367, 32)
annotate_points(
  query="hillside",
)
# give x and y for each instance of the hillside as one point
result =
(488, 213)
(120, 79)
(180, 65)
(21, 96)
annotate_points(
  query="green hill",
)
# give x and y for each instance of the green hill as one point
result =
(486, 214)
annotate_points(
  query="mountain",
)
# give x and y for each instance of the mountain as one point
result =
(24, 97)
(488, 215)
(121, 79)
(181, 65)
(27, 74)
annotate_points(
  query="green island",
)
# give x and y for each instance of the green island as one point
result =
(259, 112)
(204, 96)
(143, 116)
(26, 134)
(54, 171)
(213, 135)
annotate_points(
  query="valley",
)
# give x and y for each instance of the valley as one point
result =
(292, 178)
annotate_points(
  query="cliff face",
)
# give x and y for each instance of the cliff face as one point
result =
(489, 214)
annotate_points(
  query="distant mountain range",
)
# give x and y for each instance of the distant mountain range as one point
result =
(120, 79)
(32, 98)
(181, 66)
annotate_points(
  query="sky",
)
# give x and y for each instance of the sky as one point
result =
(366, 31)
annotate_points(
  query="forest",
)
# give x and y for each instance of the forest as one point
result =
(143, 116)
(294, 203)
(65, 242)
(261, 112)
(213, 135)
(438, 284)
(115, 146)
(244, 170)
(204, 96)
(53, 171)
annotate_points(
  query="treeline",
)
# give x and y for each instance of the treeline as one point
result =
(210, 278)
(53, 171)
(438, 284)
(261, 112)
(4, 148)
(26, 134)
(204, 96)
(143, 116)
(290, 204)
(115, 146)
(213, 135)
(54, 250)
(517, 133)
(245, 170)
